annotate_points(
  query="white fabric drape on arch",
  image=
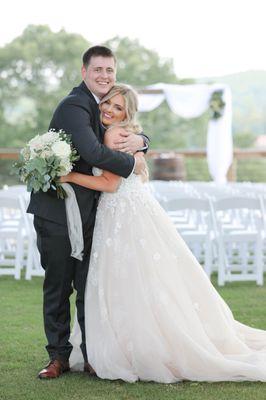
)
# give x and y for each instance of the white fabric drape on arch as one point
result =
(190, 101)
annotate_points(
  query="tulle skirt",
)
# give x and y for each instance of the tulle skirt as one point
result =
(151, 312)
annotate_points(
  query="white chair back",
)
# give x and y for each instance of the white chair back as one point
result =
(17, 235)
(192, 219)
(238, 225)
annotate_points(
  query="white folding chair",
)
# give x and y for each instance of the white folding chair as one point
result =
(164, 191)
(12, 234)
(239, 234)
(19, 189)
(33, 264)
(18, 247)
(192, 219)
(213, 190)
(264, 230)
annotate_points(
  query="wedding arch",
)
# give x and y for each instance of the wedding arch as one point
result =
(190, 101)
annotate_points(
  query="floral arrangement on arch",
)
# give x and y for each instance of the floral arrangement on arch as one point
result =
(216, 104)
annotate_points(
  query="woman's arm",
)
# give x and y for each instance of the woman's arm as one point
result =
(107, 182)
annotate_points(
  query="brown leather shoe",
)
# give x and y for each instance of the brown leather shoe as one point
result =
(54, 369)
(88, 368)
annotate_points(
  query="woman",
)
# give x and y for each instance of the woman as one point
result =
(151, 312)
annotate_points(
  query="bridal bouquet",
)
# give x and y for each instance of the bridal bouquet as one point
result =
(44, 159)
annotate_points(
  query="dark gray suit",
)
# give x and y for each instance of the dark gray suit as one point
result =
(78, 115)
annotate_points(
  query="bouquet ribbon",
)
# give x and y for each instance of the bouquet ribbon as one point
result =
(74, 223)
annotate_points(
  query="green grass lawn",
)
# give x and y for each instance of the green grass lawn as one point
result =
(22, 353)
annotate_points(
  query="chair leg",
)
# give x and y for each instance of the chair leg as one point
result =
(208, 258)
(259, 263)
(19, 257)
(221, 264)
(29, 262)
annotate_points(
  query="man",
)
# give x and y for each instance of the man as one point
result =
(78, 115)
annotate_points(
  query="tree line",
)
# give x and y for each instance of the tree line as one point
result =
(40, 67)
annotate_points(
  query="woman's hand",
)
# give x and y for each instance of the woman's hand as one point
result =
(65, 178)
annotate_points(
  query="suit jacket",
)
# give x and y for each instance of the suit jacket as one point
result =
(78, 115)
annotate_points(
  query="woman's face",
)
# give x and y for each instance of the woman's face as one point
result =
(113, 110)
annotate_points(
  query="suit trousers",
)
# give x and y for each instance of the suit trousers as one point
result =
(62, 274)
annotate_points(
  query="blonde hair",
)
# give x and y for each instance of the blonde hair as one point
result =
(131, 106)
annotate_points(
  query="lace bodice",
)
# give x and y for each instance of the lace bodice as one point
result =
(131, 189)
(127, 186)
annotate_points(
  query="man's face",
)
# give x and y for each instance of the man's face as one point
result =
(99, 75)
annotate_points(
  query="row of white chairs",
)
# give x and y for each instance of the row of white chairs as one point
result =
(169, 189)
(18, 249)
(226, 232)
(224, 227)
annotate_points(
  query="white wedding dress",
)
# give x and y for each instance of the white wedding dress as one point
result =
(151, 312)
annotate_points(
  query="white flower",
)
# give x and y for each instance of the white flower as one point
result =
(26, 153)
(130, 346)
(142, 242)
(46, 153)
(108, 242)
(164, 298)
(49, 137)
(118, 226)
(196, 306)
(45, 139)
(42, 143)
(35, 144)
(65, 167)
(156, 257)
(61, 149)
(34, 141)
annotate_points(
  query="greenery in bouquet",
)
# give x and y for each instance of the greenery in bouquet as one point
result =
(44, 159)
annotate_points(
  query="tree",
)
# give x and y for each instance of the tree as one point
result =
(244, 139)
(36, 69)
(140, 67)
(40, 67)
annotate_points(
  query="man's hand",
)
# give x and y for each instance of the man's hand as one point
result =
(140, 164)
(128, 142)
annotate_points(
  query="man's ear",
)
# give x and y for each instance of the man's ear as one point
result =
(83, 72)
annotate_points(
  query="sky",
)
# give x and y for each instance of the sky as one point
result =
(205, 38)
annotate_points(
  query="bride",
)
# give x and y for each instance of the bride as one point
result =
(151, 313)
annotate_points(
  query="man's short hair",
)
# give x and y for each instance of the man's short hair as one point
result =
(96, 51)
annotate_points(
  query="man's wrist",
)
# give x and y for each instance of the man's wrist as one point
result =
(145, 144)
(133, 170)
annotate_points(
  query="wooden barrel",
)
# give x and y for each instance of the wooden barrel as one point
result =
(169, 169)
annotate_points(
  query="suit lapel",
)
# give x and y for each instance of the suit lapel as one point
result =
(98, 128)
(102, 131)
(85, 89)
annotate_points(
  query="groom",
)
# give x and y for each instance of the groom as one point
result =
(78, 115)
